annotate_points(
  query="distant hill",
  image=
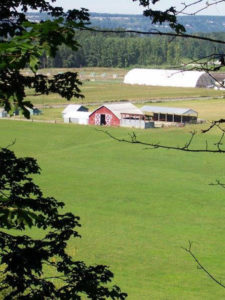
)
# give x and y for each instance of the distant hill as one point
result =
(205, 24)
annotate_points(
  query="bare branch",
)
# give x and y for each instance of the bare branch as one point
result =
(200, 266)
(153, 32)
(206, 6)
(218, 183)
(11, 144)
(213, 124)
(186, 147)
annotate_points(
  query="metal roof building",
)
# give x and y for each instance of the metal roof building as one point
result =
(77, 117)
(171, 114)
(74, 107)
(173, 78)
(123, 108)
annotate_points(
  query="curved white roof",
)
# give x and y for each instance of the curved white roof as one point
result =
(175, 78)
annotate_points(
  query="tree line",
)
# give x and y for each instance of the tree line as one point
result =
(128, 50)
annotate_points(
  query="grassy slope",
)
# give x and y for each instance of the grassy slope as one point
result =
(137, 206)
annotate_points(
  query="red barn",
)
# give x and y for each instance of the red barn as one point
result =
(111, 114)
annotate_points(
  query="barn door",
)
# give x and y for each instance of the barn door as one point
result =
(102, 120)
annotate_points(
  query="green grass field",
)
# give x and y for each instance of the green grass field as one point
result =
(138, 207)
(99, 85)
(102, 91)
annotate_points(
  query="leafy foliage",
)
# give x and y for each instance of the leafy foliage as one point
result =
(22, 205)
(23, 43)
(158, 16)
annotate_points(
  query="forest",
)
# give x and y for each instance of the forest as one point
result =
(131, 50)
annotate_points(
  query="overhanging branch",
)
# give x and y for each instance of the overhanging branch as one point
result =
(171, 34)
(186, 148)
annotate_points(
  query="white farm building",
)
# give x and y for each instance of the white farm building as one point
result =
(77, 117)
(73, 108)
(76, 113)
(174, 78)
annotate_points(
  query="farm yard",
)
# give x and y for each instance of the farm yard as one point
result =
(138, 207)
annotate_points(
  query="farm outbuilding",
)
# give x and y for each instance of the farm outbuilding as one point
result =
(121, 114)
(173, 78)
(74, 108)
(34, 111)
(3, 113)
(76, 113)
(170, 114)
(77, 117)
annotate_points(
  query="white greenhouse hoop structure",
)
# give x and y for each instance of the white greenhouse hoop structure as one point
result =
(173, 78)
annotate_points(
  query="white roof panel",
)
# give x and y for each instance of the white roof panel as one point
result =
(71, 107)
(168, 110)
(77, 114)
(160, 77)
(119, 108)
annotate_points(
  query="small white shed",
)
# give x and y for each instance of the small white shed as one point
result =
(3, 113)
(73, 108)
(77, 117)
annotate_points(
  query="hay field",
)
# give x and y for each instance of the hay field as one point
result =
(101, 85)
(138, 207)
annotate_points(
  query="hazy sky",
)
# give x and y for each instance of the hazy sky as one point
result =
(130, 7)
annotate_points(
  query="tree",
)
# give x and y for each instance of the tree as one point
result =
(22, 203)
(23, 258)
(23, 43)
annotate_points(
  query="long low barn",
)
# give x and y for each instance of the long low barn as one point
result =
(170, 114)
(173, 78)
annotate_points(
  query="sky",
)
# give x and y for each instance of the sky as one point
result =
(130, 7)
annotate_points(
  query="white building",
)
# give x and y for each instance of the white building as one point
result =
(74, 107)
(77, 117)
(76, 113)
(174, 78)
(3, 113)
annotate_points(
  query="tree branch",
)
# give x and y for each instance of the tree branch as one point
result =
(179, 35)
(185, 148)
(206, 6)
(200, 266)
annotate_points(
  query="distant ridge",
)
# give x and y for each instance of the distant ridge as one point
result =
(204, 24)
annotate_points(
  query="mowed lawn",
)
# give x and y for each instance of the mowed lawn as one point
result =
(138, 207)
